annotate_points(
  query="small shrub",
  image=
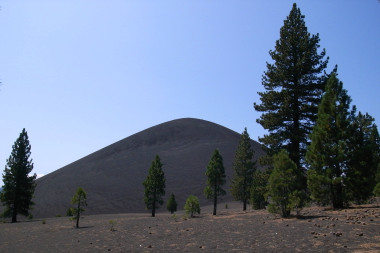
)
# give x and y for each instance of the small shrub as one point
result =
(69, 212)
(43, 221)
(174, 216)
(376, 190)
(192, 206)
(58, 215)
(30, 217)
(226, 206)
(112, 224)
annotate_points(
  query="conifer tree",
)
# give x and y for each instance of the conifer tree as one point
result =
(18, 189)
(282, 185)
(259, 189)
(216, 178)
(79, 199)
(172, 204)
(363, 157)
(154, 186)
(294, 85)
(244, 167)
(376, 189)
(327, 153)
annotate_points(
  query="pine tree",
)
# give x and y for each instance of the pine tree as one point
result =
(282, 185)
(154, 186)
(79, 199)
(294, 85)
(172, 204)
(244, 167)
(376, 189)
(192, 206)
(327, 153)
(18, 189)
(363, 157)
(259, 189)
(216, 178)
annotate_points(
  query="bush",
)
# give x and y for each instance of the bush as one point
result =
(192, 206)
(69, 212)
(112, 224)
(376, 191)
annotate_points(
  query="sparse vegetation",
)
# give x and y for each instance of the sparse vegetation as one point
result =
(112, 225)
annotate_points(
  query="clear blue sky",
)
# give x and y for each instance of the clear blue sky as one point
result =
(81, 75)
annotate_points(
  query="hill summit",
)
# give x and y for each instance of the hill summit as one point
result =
(113, 176)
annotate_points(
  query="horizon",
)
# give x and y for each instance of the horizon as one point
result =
(81, 76)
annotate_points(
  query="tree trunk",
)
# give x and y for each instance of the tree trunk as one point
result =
(78, 213)
(215, 200)
(154, 205)
(14, 216)
(244, 205)
(14, 211)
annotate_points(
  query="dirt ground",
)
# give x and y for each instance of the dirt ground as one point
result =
(319, 230)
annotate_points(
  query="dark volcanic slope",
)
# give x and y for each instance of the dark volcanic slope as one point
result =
(113, 176)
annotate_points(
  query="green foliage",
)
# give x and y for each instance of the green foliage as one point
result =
(376, 190)
(18, 189)
(30, 217)
(154, 186)
(216, 178)
(80, 199)
(171, 204)
(43, 222)
(259, 189)
(112, 225)
(319, 186)
(244, 167)
(192, 206)
(327, 153)
(363, 157)
(294, 84)
(282, 186)
(69, 212)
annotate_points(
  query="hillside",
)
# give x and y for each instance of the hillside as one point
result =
(113, 176)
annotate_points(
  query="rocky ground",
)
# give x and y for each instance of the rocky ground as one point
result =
(319, 230)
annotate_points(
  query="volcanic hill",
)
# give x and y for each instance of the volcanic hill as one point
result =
(113, 176)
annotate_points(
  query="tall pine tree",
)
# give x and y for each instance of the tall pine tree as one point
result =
(294, 85)
(154, 186)
(364, 156)
(216, 178)
(244, 167)
(327, 153)
(18, 186)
